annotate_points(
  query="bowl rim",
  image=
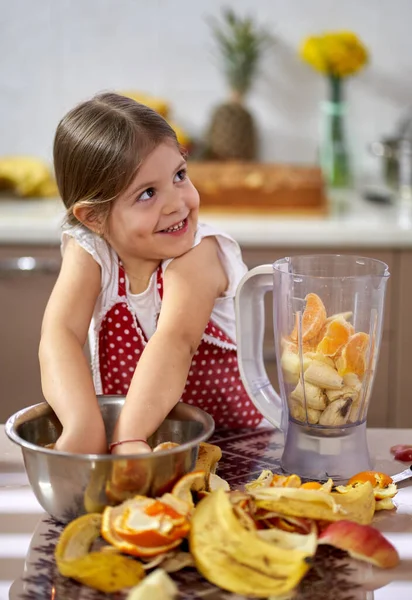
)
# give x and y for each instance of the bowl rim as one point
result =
(11, 433)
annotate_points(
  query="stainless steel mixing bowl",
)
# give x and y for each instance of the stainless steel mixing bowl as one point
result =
(68, 485)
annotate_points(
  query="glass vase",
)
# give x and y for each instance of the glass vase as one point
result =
(334, 154)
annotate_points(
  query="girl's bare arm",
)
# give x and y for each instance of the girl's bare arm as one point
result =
(65, 373)
(191, 284)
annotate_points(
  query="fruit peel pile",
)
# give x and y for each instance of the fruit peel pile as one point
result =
(258, 542)
(326, 379)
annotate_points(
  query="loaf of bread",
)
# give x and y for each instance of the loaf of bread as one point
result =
(251, 187)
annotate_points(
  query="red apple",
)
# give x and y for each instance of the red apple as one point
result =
(362, 542)
(402, 452)
(404, 455)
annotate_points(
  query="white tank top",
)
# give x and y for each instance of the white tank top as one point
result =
(147, 304)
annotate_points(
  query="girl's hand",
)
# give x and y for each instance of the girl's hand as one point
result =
(132, 448)
(130, 476)
(65, 374)
(79, 440)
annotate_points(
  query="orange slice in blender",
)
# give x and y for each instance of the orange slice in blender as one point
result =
(313, 319)
(353, 356)
(336, 336)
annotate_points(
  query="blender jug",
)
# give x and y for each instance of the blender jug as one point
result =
(327, 314)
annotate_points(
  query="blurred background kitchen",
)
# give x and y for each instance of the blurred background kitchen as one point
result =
(298, 121)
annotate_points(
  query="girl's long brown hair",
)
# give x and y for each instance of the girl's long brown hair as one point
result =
(98, 148)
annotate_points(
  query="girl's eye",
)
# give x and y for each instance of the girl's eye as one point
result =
(180, 175)
(147, 194)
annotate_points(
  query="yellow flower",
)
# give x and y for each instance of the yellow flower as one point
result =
(338, 54)
(312, 54)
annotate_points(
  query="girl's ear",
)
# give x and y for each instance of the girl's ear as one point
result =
(88, 217)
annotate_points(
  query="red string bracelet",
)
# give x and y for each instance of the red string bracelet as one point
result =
(114, 444)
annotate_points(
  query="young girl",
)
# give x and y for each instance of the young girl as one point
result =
(154, 285)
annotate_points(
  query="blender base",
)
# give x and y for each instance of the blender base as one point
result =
(320, 454)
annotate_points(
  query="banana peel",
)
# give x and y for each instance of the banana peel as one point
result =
(103, 571)
(357, 505)
(264, 480)
(237, 560)
(207, 460)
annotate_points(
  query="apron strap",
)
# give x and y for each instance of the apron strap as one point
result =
(121, 283)
(159, 281)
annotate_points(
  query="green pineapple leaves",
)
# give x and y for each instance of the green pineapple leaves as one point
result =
(240, 43)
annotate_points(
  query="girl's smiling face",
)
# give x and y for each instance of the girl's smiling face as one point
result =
(156, 217)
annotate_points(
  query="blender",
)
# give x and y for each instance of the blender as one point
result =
(327, 315)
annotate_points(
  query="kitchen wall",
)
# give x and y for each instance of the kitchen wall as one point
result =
(54, 53)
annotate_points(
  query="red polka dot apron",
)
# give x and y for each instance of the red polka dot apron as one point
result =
(213, 382)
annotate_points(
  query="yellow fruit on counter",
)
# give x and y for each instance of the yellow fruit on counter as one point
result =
(182, 136)
(162, 107)
(26, 176)
(158, 104)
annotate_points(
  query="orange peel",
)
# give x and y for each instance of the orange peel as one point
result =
(375, 477)
(383, 487)
(292, 481)
(150, 523)
(183, 488)
(111, 522)
(311, 485)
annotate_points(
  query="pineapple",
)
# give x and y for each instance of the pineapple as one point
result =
(232, 132)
